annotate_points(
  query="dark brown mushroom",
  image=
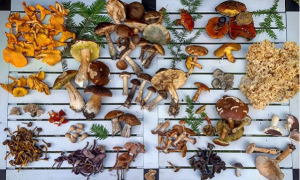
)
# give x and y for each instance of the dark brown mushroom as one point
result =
(114, 116)
(135, 10)
(99, 73)
(151, 90)
(158, 49)
(145, 78)
(130, 120)
(135, 84)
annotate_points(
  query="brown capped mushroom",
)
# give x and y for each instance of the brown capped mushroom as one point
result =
(136, 25)
(116, 10)
(130, 120)
(244, 18)
(143, 43)
(252, 147)
(273, 129)
(293, 127)
(125, 76)
(149, 49)
(151, 16)
(196, 51)
(121, 65)
(151, 90)
(162, 94)
(201, 87)
(150, 175)
(114, 116)
(158, 49)
(83, 136)
(135, 84)
(226, 49)
(125, 56)
(135, 10)
(131, 147)
(189, 64)
(99, 73)
(246, 121)
(145, 78)
(230, 8)
(72, 128)
(238, 167)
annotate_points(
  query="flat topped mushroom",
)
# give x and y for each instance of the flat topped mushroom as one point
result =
(116, 10)
(135, 10)
(170, 80)
(130, 120)
(230, 8)
(157, 34)
(114, 115)
(217, 27)
(84, 52)
(124, 31)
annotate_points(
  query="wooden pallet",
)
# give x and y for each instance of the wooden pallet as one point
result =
(153, 159)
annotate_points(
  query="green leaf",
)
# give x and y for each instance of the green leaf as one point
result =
(99, 131)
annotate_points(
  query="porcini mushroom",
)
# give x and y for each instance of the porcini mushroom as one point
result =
(170, 80)
(125, 55)
(106, 28)
(99, 73)
(273, 129)
(114, 116)
(230, 8)
(196, 51)
(116, 10)
(76, 101)
(130, 120)
(252, 147)
(135, 10)
(201, 87)
(135, 84)
(145, 78)
(157, 34)
(84, 52)
(124, 31)
(238, 167)
(226, 49)
(158, 49)
(93, 106)
(162, 94)
(217, 27)
(125, 76)
(151, 90)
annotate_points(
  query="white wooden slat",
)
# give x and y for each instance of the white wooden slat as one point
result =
(247, 174)
(247, 160)
(209, 6)
(66, 174)
(269, 111)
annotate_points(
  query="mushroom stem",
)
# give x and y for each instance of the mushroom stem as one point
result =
(138, 99)
(238, 172)
(275, 120)
(76, 101)
(153, 103)
(230, 123)
(116, 126)
(285, 153)
(92, 107)
(197, 95)
(157, 128)
(127, 102)
(146, 58)
(137, 69)
(143, 102)
(142, 53)
(148, 61)
(224, 133)
(166, 149)
(81, 78)
(112, 50)
(181, 136)
(125, 86)
(126, 132)
(174, 105)
(234, 130)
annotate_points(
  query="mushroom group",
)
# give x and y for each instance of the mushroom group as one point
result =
(222, 80)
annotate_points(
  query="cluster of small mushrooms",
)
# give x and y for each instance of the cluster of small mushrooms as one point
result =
(78, 128)
(222, 80)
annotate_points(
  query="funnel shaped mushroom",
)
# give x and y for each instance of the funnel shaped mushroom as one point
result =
(93, 106)
(114, 115)
(157, 34)
(226, 49)
(273, 129)
(130, 120)
(116, 10)
(84, 52)
(99, 73)
(196, 51)
(201, 87)
(125, 55)
(217, 27)
(162, 94)
(76, 101)
(105, 29)
(135, 84)
(158, 49)
(145, 78)
(170, 80)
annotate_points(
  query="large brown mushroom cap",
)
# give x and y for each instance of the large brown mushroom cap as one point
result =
(136, 82)
(196, 50)
(131, 147)
(135, 10)
(268, 168)
(162, 79)
(98, 90)
(130, 119)
(230, 8)
(124, 31)
(99, 73)
(233, 108)
(151, 15)
(62, 79)
(157, 34)
(116, 10)
(145, 77)
(113, 114)
(104, 27)
(83, 44)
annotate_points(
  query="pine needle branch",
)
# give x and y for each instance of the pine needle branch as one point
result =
(99, 131)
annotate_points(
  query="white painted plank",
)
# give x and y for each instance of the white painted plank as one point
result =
(66, 174)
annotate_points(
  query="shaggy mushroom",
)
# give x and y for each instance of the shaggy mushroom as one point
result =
(226, 49)
(170, 80)
(158, 49)
(135, 10)
(162, 94)
(273, 129)
(186, 20)
(145, 78)
(238, 167)
(106, 28)
(125, 76)
(293, 127)
(76, 100)
(130, 120)
(230, 8)
(93, 106)
(84, 52)
(201, 87)
(114, 115)
(252, 147)
(196, 51)
(217, 27)
(99, 73)
(157, 34)
(125, 55)
(116, 9)
(135, 84)
(151, 90)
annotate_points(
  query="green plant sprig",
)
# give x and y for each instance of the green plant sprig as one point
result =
(191, 120)
(272, 15)
(99, 131)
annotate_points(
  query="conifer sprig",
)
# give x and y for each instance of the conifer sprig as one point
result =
(99, 131)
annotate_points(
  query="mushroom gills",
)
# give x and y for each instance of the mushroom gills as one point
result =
(216, 83)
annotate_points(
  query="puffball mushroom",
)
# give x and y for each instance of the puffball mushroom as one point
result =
(130, 120)
(273, 129)
(99, 73)
(114, 116)
(76, 101)
(116, 10)
(93, 106)
(84, 52)
(106, 28)
(226, 49)
(145, 78)
(125, 76)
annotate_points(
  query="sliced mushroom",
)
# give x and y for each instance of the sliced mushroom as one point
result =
(125, 55)
(130, 120)
(145, 78)
(125, 76)
(162, 94)
(135, 84)
(114, 116)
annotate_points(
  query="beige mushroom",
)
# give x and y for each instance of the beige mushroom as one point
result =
(196, 50)
(83, 136)
(116, 10)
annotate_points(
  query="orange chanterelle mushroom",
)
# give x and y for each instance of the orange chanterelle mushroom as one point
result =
(217, 27)
(186, 20)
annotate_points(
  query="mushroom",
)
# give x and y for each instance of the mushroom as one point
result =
(80, 126)
(273, 129)
(186, 20)
(83, 136)
(76, 101)
(252, 147)
(130, 120)
(136, 25)
(151, 90)
(170, 80)
(269, 168)
(121, 65)
(226, 49)
(221, 141)
(293, 127)
(84, 52)
(231, 8)
(230, 136)
(151, 16)
(125, 55)
(145, 78)
(71, 138)
(209, 129)
(246, 121)
(114, 116)
(93, 106)
(105, 29)
(143, 43)
(162, 94)
(158, 49)
(176, 168)
(125, 76)
(217, 27)
(149, 49)
(246, 31)
(122, 43)
(131, 147)
(238, 167)
(135, 84)
(157, 34)
(116, 9)
(135, 10)
(201, 87)
(244, 18)
(150, 175)
(99, 73)
(72, 128)
(196, 51)
(189, 64)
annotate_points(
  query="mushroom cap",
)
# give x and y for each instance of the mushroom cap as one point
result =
(149, 48)
(124, 157)
(143, 42)
(135, 39)
(121, 65)
(124, 31)
(84, 44)
(135, 10)
(136, 82)
(117, 148)
(211, 30)
(273, 130)
(131, 147)
(116, 5)
(159, 48)
(134, 23)
(220, 52)
(125, 74)
(201, 109)
(141, 147)
(220, 142)
(230, 8)
(230, 107)
(178, 128)
(113, 114)
(244, 18)
(124, 53)
(151, 15)
(163, 94)
(238, 165)
(250, 148)
(130, 119)
(152, 89)
(99, 73)
(174, 76)
(201, 86)
(145, 77)
(62, 79)
(218, 74)
(190, 132)
(292, 122)
(294, 135)
(98, 90)
(196, 50)
(268, 168)
(104, 27)
(216, 83)
(208, 130)
(157, 34)
(228, 77)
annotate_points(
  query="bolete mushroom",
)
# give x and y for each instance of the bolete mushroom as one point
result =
(196, 51)
(157, 34)
(114, 116)
(162, 94)
(76, 101)
(149, 49)
(84, 52)
(99, 73)
(217, 27)
(124, 31)
(246, 121)
(230, 136)
(151, 90)
(230, 8)
(106, 28)
(170, 80)
(125, 55)
(145, 78)
(135, 84)
(93, 106)
(125, 76)
(158, 49)
(238, 167)
(135, 10)
(116, 10)
(273, 129)
(201, 87)
(130, 120)
(226, 49)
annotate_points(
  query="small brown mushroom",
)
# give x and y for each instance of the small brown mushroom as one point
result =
(153, 103)
(273, 129)
(246, 121)
(149, 49)
(143, 43)
(136, 25)
(293, 127)
(150, 175)
(230, 8)
(145, 78)
(125, 76)
(238, 167)
(130, 120)
(151, 90)
(131, 147)
(201, 87)
(125, 56)
(151, 16)
(252, 147)
(135, 84)
(83, 136)
(114, 116)
(226, 49)
(196, 51)
(71, 138)
(176, 168)
(158, 49)
(116, 9)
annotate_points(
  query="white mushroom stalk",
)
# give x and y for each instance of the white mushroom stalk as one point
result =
(126, 132)
(125, 55)
(145, 78)
(153, 103)
(116, 126)
(81, 78)
(151, 90)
